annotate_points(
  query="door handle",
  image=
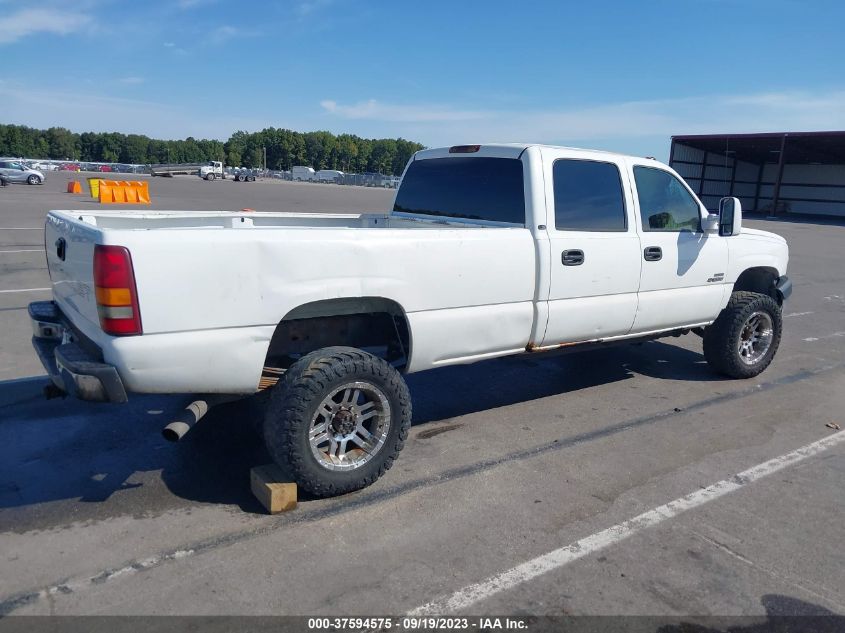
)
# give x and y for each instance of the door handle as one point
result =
(653, 253)
(572, 258)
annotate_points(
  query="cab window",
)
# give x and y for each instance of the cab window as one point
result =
(588, 196)
(665, 204)
(479, 188)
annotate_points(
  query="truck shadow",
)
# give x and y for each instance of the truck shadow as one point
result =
(783, 614)
(57, 454)
(453, 391)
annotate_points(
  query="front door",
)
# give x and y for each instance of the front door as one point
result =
(14, 171)
(683, 268)
(595, 249)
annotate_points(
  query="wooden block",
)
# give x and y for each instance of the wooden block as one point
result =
(270, 488)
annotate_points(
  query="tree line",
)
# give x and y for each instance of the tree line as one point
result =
(285, 148)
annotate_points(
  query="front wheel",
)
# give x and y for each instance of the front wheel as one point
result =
(337, 420)
(210, 177)
(34, 180)
(744, 338)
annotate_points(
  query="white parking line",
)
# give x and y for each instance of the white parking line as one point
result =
(21, 228)
(555, 559)
(796, 314)
(25, 290)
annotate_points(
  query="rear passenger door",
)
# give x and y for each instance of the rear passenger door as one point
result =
(682, 267)
(595, 249)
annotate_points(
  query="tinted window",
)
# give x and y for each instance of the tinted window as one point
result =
(665, 204)
(588, 196)
(462, 187)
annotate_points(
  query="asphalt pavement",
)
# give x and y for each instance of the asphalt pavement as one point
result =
(593, 483)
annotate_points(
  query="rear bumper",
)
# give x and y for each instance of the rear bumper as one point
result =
(74, 366)
(784, 288)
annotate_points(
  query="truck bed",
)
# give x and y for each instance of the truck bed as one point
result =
(214, 281)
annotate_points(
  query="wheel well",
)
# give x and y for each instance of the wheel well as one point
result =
(374, 324)
(761, 280)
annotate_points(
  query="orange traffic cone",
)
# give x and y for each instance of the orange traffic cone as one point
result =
(74, 186)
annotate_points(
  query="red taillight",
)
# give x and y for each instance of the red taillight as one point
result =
(117, 295)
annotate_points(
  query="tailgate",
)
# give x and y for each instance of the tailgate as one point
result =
(70, 259)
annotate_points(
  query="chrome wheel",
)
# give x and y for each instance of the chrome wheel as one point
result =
(350, 426)
(755, 338)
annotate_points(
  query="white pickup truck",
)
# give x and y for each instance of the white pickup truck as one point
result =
(489, 250)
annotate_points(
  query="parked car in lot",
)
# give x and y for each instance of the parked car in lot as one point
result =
(489, 251)
(44, 166)
(329, 175)
(15, 171)
(303, 173)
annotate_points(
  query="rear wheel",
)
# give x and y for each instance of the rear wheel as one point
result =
(337, 420)
(743, 340)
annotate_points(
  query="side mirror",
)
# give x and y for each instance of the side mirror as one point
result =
(730, 217)
(710, 224)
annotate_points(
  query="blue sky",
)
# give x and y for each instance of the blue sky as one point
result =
(614, 75)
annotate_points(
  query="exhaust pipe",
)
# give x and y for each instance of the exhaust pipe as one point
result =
(183, 423)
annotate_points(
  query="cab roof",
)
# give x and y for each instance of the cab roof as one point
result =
(504, 150)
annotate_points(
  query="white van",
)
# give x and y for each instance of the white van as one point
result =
(300, 172)
(329, 175)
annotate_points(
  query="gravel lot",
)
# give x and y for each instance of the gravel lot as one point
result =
(508, 460)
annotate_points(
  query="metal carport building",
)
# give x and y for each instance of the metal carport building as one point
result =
(781, 173)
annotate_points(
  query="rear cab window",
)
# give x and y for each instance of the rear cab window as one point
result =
(472, 188)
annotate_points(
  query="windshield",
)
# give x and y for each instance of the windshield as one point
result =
(462, 187)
